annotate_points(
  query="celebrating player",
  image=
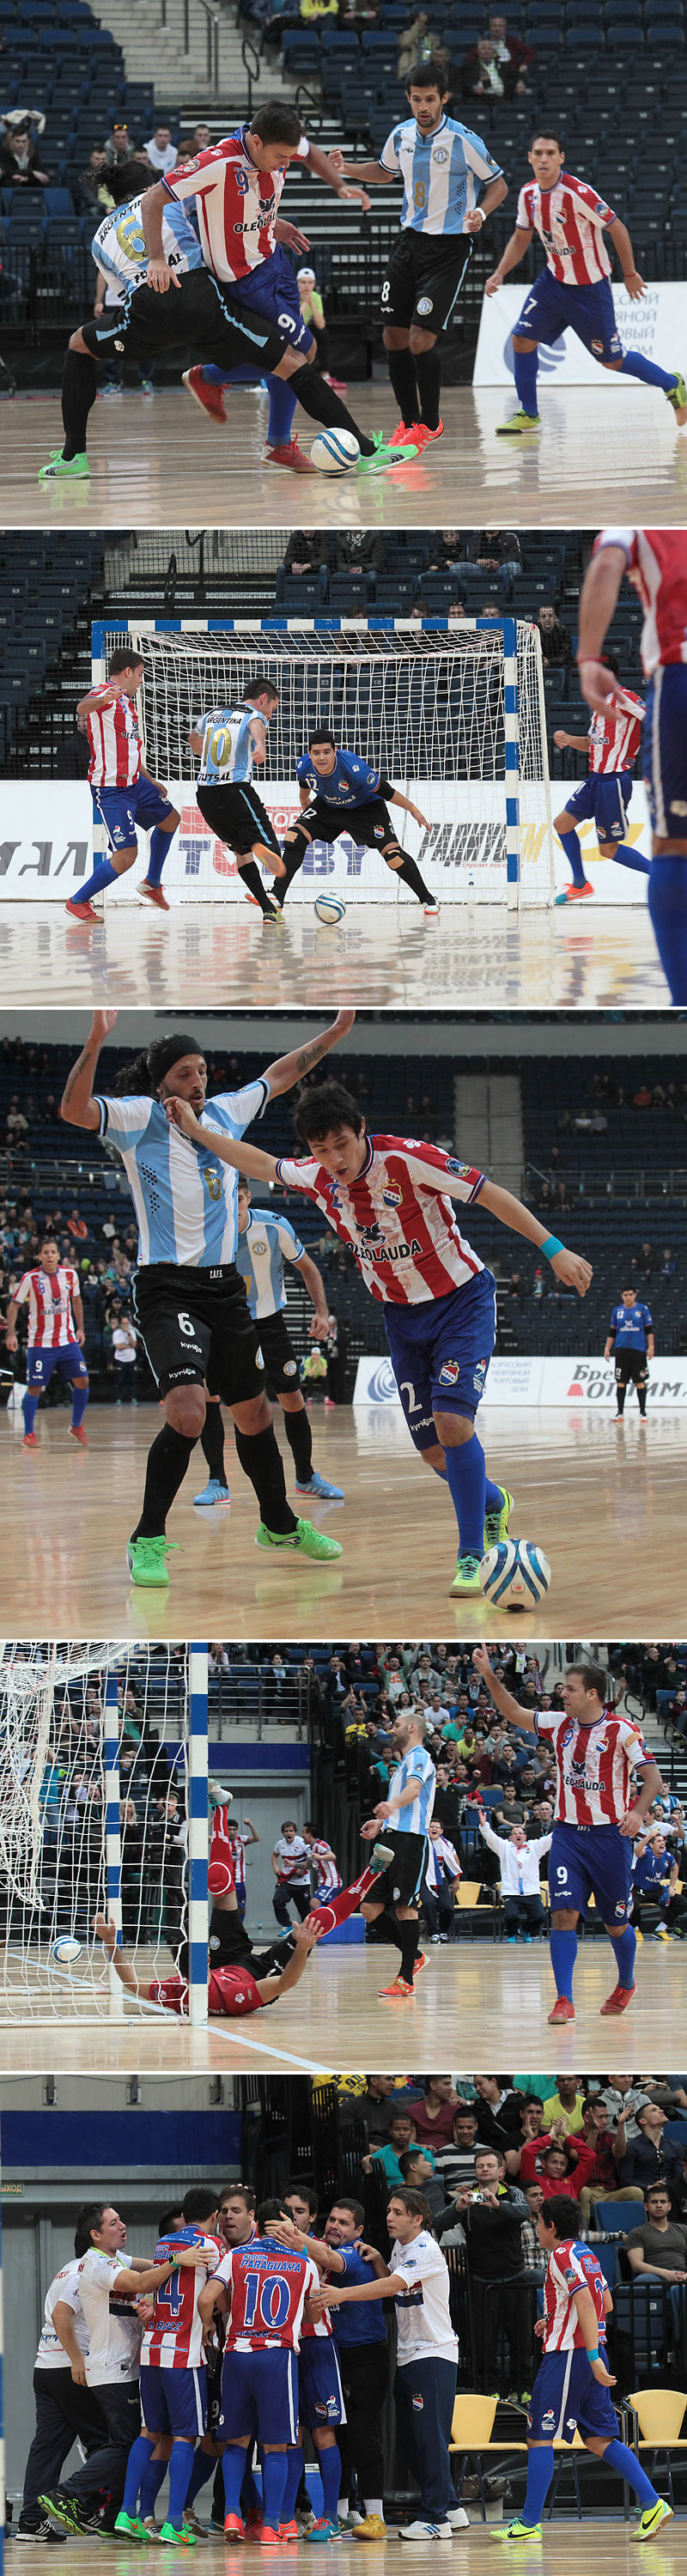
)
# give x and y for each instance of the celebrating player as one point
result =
(631, 1338)
(571, 2389)
(596, 1816)
(192, 1312)
(573, 292)
(439, 162)
(173, 2376)
(264, 2286)
(56, 1338)
(125, 797)
(406, 1815)
(655, 560)
(230, 742)
(389, 1199)
(612, 746)
(321, 2406)
(334, 785)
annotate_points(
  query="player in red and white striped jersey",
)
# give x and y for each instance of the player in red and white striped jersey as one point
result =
(612, 745)
(655, 560)
(173, 2373)
(56, 1337)
(573, 292)
(324, 1860)
(389, 1200)
(125, 798)
(597, 1813)
(174, 2338)
(572, 2388)
(264, 2285)
(571, 2267)
(321, 2406)
(236, 200)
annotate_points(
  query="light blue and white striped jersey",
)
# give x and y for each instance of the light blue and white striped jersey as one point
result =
(266, 1243)
(229, 738)
(415, 1819)
(185, 1199)
(439, 171)
(118, 246)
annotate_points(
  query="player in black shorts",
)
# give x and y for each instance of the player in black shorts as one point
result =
(228, 741)
(339, 793)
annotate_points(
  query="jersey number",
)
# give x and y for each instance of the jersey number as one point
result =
(268, 2299)
(217, 747)
(169, 2294)
(212, 1182)
(419, 196)
(406, 1388)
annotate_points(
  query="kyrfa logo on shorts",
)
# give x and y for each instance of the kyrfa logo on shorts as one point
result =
(450, 1372)
(424, 304)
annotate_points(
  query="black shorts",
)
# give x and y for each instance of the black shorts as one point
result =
(281, 1365)
(194, 313)
(198, 1330)
(401, 1882)
(369, 825)
(238, 817)
(424, 278)
(631, 1368)
(214, 2395)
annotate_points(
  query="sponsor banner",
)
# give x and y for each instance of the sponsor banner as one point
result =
(655, 327)
(46, 838)
(463, 852)
(526, 1380)
(612, 884)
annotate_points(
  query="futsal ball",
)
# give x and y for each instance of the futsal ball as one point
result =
(334, 451)
(330, 908)
(66, 1951)
(515, 1574)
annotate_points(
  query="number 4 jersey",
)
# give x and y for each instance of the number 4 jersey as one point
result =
(269, 2286)
(174, 2341)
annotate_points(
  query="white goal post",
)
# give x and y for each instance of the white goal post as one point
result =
(451, 712)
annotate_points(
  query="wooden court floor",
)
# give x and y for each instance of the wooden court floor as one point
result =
(475, 957)
(605, 1501)
(568, 2548)
(468, 2003)
(161, 464)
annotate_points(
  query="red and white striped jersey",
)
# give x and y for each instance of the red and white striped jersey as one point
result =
(236, 205)
(237, 1856)
(174, 2339)
(595, 1766)
(570, 221)
(657, 567)
(572, 2267)
(51, 1322)
(232, 1991)
(614, 740)
(396, 1219)
(115, 742)
(269, 2286)
(317, 2329)
(221, 1846)
(326, 1864)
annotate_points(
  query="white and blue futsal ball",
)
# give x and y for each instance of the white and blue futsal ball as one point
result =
(330, 908)
(515, 1574)
(66, 1951)
(334, 451)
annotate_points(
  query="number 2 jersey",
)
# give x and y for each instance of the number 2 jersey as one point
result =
(594, 1764)
(401, 1228)
(269, 2286)
(174, 2340)
(571, 2267)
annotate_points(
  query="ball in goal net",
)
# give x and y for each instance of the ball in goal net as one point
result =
(452, 714)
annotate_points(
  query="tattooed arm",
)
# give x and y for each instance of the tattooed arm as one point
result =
(78, 1106)
(292, 1068)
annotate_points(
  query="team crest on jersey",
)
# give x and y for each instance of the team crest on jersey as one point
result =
(449, 1374)
(380, 828)
(440, 154)
(261, 1247)
(392, 1198)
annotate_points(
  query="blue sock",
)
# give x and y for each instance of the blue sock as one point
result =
(466, 1477)
(627, 2466)
(160, 846)
(493, 1497)
(525, 367)
(273, 2484)
(203, 2468)
(29, 1409)
(180, 2466)
(294, 2473)
(633, 365)
(281, 411)
(627, 858)
(80, 1395)
(251, 2499)
(540, 2468)
(625, 1946)
(103, 875)
(563, 1948)
(329, 2465)
(570, 843)
(151, 2482)
(233, 2469)
(139, 2460)
(668, 909)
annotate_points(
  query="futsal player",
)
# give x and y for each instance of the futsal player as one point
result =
(572, 293)
(265, 1242)
(125, 797)
(230, 742)
(389, 1199)
(233, 1992)
(56, 1338)
(321, 2408)
(655, 560)
(597, 1813)
(335, 786)
(441, 164)
(173, 2378)
(631, 1340)
(405, 1816)
(612, 745)
(427, 2354)
(192, 1312)
(572, 2387)
(264, 2286)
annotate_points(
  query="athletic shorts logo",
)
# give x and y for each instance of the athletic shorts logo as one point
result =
(424, 303)
(379, 828)
(449, 1374)
(418, 2403)
(548, 2420)
(597, 348)
(620, 1909)
(259, 1361)
(289, 1368)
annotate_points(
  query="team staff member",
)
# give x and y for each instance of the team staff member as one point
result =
(427, 2356)
(66, 2410)
(110, 2287)
(631, 1339)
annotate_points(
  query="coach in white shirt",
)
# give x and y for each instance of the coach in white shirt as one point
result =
(426, 2360)
(520, 1882)
(110, 2285)
(66, 2409)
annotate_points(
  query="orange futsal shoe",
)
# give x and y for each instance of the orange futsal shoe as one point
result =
(76, 1432)
(406, 435)
(399, 1991)
(289, 2531)
(29, 1441)
(81, 911)
(269, 2538)
(563, 2010)
(234, 2528)
(619, 2000)
(210, 397)
(291, 455)
(154, 894)
(420, 1963)
(425, 437)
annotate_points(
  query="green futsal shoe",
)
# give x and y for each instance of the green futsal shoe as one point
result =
(183, 2539)
(305, 1540)
(146, 1561)
(133, 2527)
(676, 395)
(75, 469)
(496, 1523)
(384, 456)
(517, 2531)
(466, 1577)
(519, 424)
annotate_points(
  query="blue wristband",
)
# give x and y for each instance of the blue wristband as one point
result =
(595, 2355)
(551, 1245)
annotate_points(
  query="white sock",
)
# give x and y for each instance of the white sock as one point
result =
(375, 2504)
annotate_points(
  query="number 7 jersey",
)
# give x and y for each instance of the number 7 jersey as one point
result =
(269, 2286)
(174, 2340)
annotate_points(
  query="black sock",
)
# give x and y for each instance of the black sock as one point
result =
(259, 1457)
(251, 877)
(621, 1393)
(79, 389)
(403, 384)
(299, 1436)
(323, 404)
(293, 854)
(387, 1926)
(410, 874)
(641, 1391)
(212, 1443)
(409, 1943)
(428, 372)
(167, 1464)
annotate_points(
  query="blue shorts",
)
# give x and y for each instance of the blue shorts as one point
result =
(596, 1860)
(272, 290)
(607, 800)
(41, 1364)
(550, 309)
(259, 2396)
(664, 746)
(124, 809)
(566, 2397)
(440, 1354)
(320, 2394)
(174, 2401)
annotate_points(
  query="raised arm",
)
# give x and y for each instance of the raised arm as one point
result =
(503, 1699)
(78, 1106)
(291, 1068)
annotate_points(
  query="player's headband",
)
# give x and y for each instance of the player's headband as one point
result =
(168, 1051)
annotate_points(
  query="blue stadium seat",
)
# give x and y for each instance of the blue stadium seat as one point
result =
(57, 201)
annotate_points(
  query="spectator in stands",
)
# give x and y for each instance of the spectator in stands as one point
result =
(518, 1859)
(359, 550)
(433, 2115)
(374, 2105)
(385, 2155)
(668, 1264)
(510, 48)
(495, 551)
(124, 1355)
(655, 1881)
(485, 74)
(492, 2213)
(417, 44)
(556, 640)
(311, 12)
(657, 2250)
(17, 1126)
(201, 139)
(490, 608)
(119, 146)
(19, 163)
(646, 2158)
(306, 551)
(457, 610)
(162, 152)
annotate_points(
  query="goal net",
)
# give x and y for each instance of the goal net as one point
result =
(453, 715)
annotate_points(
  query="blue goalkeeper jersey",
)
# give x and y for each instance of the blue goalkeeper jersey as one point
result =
(631, 1324)
(351, 782)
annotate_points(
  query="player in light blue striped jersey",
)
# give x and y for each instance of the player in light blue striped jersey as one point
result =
(229, 742)
(266, 1241)
(406, 1813)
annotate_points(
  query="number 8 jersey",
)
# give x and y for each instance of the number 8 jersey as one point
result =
(269, 2286)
